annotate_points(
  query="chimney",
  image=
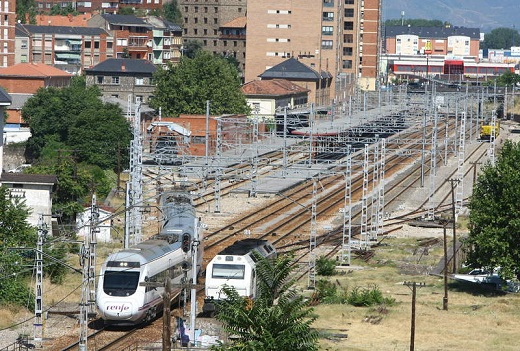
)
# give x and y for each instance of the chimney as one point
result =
(123, 67)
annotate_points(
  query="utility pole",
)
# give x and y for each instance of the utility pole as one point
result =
(445, 298)
(88, 260)
(452, 182)
(38, 302)
(474, 165)
(413, 286)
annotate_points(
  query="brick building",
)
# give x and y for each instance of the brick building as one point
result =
(150, 38)
(27, 78)
(340, 37)
(219, 25)
(7, 32)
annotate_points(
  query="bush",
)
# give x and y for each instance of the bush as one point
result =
(368, 297)
(325, 266)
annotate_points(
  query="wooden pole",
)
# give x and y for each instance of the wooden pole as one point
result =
(445, 299)
(166, 336)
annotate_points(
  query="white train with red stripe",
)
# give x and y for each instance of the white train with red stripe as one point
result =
(121, 296)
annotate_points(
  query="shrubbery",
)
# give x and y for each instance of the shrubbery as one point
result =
(330, 293)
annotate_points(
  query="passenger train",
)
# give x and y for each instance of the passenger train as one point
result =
(234, 266)
(122, 298)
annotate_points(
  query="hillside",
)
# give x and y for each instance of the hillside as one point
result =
(483, 14)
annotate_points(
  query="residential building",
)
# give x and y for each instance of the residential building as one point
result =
(151, 38)
(318, 84)
(219, 25)
(5, 101)
(267, 97)
(336, 36)
(27, 78)
(98, 6)
(132, 35)
(16, 130)
(69, 20)
(73, 48)
(420, 41)
(7, 32)
(126, 79)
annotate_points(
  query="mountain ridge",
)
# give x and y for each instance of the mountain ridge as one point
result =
(484, 14)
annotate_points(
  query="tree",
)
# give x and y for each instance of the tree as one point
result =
(191, 48)
(76, 117)
(185, 88)
(494, 237)
(508, 79)
(418, 22)
(15, 232)
(279, 319)
(172, 12)
(76, 181)
(24, 9)
(501, 38)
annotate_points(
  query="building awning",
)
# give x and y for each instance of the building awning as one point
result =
(67, 56)
(74, 41)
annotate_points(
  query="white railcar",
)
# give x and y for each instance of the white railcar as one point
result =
(121, 298)
(234, 266)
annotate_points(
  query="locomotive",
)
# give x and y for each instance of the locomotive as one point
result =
(122, 296)
(234, 266)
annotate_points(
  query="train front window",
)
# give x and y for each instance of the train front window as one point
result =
(228, 271)
(117, 283)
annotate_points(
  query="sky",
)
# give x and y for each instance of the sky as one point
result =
(483, 14)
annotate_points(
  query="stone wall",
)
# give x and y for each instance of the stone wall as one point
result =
(13, 156)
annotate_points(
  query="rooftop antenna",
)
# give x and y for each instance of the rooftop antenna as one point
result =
(402, 18)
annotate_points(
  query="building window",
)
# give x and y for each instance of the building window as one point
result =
(139, 81)
(24, 44)
(115, 80)
(196, 8)
(328, 16)
(347, 51)
(205, 9)
(216, 9)
(349, 2)
(327, 30)
(205, 31)
(347, 63)
(326, 44)
(139, 99)
(348, 26)
(195, 20)
(96, 45)
(328, 3)
(215, 20)
(349, 12)
(205, 20)
(100, 79)
(88, 44)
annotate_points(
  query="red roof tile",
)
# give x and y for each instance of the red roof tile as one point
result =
(72, 21)
(272, 87)
(33, 70)
(239, 22)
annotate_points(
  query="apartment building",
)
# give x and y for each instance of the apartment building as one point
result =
(219, 25)
(98, 6)
(7, 32)
(337, 36)
(150, 38)
(70, 48)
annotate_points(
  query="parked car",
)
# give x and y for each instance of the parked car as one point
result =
(19, 169)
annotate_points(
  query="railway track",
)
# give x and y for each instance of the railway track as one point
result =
(285, 229)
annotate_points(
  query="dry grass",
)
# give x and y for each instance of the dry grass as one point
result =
(477, 318)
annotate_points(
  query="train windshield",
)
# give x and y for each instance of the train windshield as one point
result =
(116, 283)
(228, 271)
